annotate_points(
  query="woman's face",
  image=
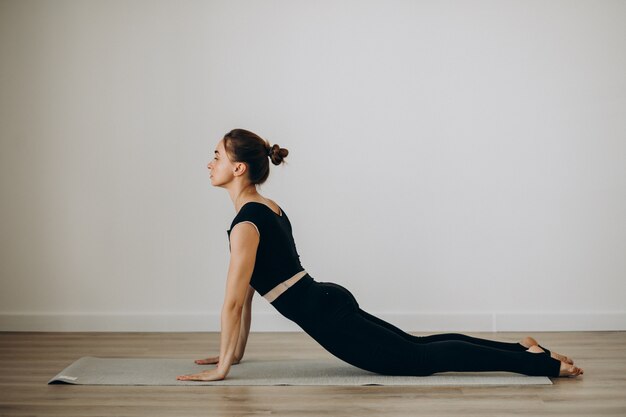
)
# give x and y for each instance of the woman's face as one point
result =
(220, 167)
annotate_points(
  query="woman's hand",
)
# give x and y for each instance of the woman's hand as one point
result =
(210, 375)
(214, 360)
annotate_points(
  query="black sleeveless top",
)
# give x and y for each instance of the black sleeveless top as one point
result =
(276, 258)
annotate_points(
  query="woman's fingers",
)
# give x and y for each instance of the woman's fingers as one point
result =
(191, 377)
(211, 361)
(210, 375)
(208, 361)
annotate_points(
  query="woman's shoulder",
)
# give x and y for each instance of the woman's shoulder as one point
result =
(261, 206)
(246, 211)
(251, 210)
(274, 206)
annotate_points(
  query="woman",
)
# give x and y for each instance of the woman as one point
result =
(263, 258)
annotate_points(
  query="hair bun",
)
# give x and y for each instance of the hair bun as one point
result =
(277, 154)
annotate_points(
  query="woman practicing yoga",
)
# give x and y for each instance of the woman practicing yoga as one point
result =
(263, 258)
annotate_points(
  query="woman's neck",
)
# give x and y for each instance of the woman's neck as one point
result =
(244, 195)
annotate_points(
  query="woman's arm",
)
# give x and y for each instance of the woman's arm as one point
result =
(244, 241)
(244, 329)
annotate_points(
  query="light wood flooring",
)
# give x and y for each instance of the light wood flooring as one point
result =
(29, 360)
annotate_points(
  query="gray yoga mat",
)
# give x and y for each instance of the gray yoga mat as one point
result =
(143, 371)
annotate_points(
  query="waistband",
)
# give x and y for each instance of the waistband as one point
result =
(275, 292)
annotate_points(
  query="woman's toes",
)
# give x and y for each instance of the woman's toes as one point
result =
(570, 370)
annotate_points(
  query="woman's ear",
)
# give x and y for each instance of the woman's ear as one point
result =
(240, 168)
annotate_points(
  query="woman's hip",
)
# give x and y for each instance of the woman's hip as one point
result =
(316, 303)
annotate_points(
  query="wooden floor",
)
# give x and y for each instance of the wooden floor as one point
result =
(29, 360)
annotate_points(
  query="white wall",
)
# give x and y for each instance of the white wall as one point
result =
(456, 165)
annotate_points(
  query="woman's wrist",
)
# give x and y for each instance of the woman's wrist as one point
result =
(222, 370)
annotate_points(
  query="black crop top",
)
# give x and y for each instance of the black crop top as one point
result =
(276, 258)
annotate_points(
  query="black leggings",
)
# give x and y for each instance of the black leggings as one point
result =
(331, 315)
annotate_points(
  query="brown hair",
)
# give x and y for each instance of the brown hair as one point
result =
(244, 146)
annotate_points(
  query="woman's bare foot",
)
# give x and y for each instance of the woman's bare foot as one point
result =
(566, 368)
(570, 370)
(528, 341)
